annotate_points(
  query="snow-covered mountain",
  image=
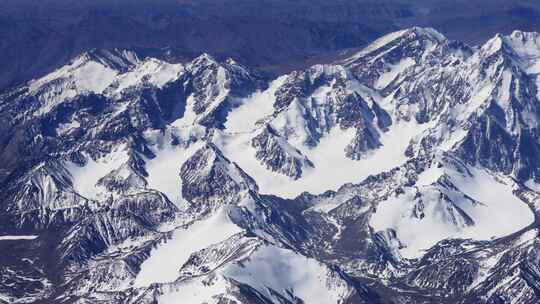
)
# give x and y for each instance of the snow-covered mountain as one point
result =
(407, 173)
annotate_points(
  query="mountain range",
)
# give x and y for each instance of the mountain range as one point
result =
(405, 172)
(275, 36)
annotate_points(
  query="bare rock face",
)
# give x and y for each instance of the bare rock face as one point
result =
(216, 86)
(278, 155)
(210, 180)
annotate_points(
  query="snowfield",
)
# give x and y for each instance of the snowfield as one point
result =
(85, 178)
(164, 169)
(328, 157)
(269, 270)
(166, 260)
(494, 210)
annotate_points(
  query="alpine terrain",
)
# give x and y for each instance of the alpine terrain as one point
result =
(408, 172)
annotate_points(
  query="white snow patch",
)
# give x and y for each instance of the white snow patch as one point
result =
(155, 72)
(197, 291)
(83, 75)
(293, 124)
(429, 176)
(164, 262)
(93, 77)
(503, 212)
(164, 169)
(533, 185)
(377, 44)
(67, 127)
(527, 47)
(492, 46)
(17, 237)
(79, 77)
(253, 108)
(498, 214)
(504, 95)
(283, 270)
(478, 99)
(331, 169)
(189, 115)
(416, 234)
(269, 267)
(85, 178)
(393, 71)
(534, 67)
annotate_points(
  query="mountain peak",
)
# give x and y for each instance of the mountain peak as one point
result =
(522, 48)
(426, 32)
(210, 179)
(204, 59)
(524, 44)
(414, 36)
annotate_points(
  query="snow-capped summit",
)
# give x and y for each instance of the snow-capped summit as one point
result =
(520, 48)
(91, 71)
(404, 40)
